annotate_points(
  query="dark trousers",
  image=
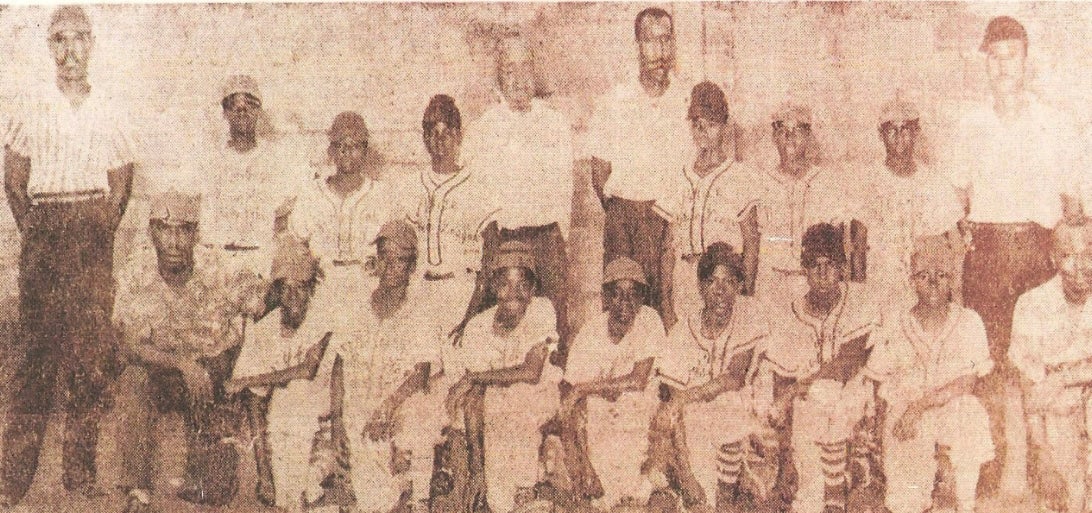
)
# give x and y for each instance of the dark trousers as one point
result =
(66, 296)
(1006, 261)
(633, 229)
(211, 464)
(548, 247)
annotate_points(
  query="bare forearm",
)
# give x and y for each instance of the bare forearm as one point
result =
(636, 380)
(936, 398)
(412, 384)
(151, 356)
(751, 241)
(527, 372)
(16, 178)
(121, 187)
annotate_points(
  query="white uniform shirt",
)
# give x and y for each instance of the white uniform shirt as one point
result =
(527, 160)
(694, 359)
(909, 363)
(709, 208)
(1016, 170)
(788, 206)
(450, 212)
(70, 148)
(242, 191)
(338, 228)
(901, 210)
(1048, 331)
(642, 138)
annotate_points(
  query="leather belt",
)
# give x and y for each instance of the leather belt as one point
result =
(345, 263)
(240, 247)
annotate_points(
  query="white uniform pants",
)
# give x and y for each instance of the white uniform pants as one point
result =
(716, 435)
(910, 466)
(821, 425)
(293, 420)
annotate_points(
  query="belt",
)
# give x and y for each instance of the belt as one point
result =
(1004, 227)
(432, 276)
(240, 247)
(529, 230)
(345, 263)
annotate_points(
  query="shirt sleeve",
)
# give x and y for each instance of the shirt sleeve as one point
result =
(975, 346)
(1024, 348)
(580, 367)
(883, 361)
(121, 144)
(597, 139)
(542, 324)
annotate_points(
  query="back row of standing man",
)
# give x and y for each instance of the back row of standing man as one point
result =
(662, 165)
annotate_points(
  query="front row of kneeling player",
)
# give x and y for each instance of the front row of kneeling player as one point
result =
(739, 406)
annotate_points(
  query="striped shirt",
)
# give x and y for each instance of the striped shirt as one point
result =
(70, 148)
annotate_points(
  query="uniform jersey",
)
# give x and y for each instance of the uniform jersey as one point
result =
(709, 209)
(618, 430)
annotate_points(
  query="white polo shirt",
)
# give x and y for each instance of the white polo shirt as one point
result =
(70, 148)
(526, 159)
(642, 137)
(1015, 170)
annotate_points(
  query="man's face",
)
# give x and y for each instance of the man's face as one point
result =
(513, 290)
(348, 154)
(900, 138)
(516, 76)
(1072, 253)
(719, 291)
(624, 298)
(791, 140)
(295, 298)
(241, 112)
(656, 47)
(932, 286)
(443, 141)
(71, 52)
(824, 276)
(174, 243)
(395, 265)
(1005, 65)
(707, 134)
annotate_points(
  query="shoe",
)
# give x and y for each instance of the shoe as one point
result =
(139, 502)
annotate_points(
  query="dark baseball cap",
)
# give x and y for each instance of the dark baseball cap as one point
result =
(1003, 28)
(707, 101)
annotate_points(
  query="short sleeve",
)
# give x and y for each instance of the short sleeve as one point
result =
(121, 145)
(541, 324)
(14, 126)
(883, 361)
(581, 365)
(975, 347)
(598, 140)
(674, 366)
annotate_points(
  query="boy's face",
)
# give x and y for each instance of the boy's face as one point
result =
(295, 298)
(824, 276)
(719, 290)
(932, 286)
(624, 298)
(513, 290)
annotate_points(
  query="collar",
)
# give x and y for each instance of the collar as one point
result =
(787, 180)
(923, 342)
(713, 176)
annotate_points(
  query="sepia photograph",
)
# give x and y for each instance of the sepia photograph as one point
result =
(546, 257)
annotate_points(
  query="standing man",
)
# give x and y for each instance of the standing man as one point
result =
(800, 191)
(524, 143)
(717, 199)
(910, 200)
(68, 172)
(635, 139)
(1051, 326)
(1016, 168)
(250, 184)
(449, 210)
